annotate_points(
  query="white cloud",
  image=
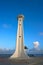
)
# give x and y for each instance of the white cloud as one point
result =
(41, 33)
(36, 44)
(7, 25)
(6, 49)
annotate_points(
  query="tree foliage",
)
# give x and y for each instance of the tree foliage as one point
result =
(25, 47)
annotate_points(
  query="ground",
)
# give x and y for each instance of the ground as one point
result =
(31, 61)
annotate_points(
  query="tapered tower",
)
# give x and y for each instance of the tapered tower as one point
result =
(19, 52)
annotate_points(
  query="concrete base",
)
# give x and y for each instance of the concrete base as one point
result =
(21, 56)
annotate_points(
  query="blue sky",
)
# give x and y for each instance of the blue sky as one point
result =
(33, 22)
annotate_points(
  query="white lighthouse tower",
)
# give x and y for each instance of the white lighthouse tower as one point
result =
(19, 52)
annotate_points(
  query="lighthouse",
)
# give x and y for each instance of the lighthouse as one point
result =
(19, 51)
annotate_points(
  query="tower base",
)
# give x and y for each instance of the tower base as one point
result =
(20, 56)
